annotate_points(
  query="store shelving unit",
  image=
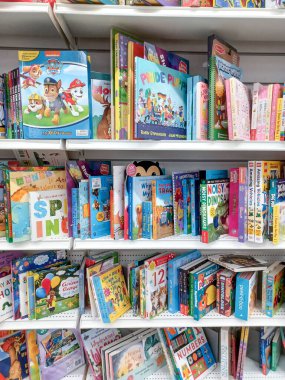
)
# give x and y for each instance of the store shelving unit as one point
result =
(257, 32)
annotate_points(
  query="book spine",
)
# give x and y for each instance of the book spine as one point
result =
(258, 215)
(263, 296)
(147, 220)
(274, 357)
(242, 206)
(8, 208)
(233, 352)
(282, 129)
(191, 295)
(130, 89)
(195, 212)
(170, 291)
(101, 299)
(218, 293)
(212, 97)
(75, 206)
(183, 304)
(244, 349)
(180, 290)
(194, 110)
(154, 211)
(268, 111)
(273, 117)
(117, 86)
(222, 295)
(240, 353)
(225, 353)
(254, 112)
(234, 202)
(276, 224)
(112, 221)
(142, 293)
(196, 313)
(271, 203)
(278, 120)
(130, 193)
(203, 213)
(269, 295)
(229, 108)
(185, 206)
(190, 108)
(251, 201)
(31, 297)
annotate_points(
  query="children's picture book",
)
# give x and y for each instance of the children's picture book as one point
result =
(140, 358)
(278, 222)
(246, 294)
(60, 352)
(238, 4)
(160, 102)
(234, 202)
(191, 352)
(165, 58)
(112, 293)
(53, 291)
(242, 209)
(33, 354)
(178, 205)
(275, 290)
(276, 195)
(93, 340)
(99, 199)
(187, 220)
(197, 108)
(101, 105)
(19, 269)
(48, 214)
(239, 263)
(214, 209)
(75, 213)
(226, 292)
(156, 284)
(13, 356)
(147, 220)
(162, 204)
(55, 94)
(266, 349)
(276, 349)
(84, 209)
(117, 216)
(20, 183)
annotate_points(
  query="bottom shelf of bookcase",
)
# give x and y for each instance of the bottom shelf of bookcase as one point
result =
(166, 319)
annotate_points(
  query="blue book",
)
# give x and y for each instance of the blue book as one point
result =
(196, 79)
(266, 350)
(276, 195)
(162, 204)
(246, 293)
(84, 209)
(172, 272)
(58, 82)
(160, 102)
(195, 206)
(75, 212)
(186, 206)
(147, 220)
(140, 190)
(189, 108)
(99, 198)
(213, 174)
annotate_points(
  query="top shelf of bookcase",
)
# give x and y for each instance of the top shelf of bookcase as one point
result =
(172, 23)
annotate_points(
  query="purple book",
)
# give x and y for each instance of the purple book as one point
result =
(242, 208)
(163, 57)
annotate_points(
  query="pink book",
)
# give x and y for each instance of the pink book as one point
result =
(229, 109)
(202, 111)
(254, 109)
(234, 202)
(241, 114)
(261, 113)
(190, 3)
(276, 93)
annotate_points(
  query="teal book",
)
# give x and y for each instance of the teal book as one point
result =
(147, 218)
(186, 206)
(246, 294)
(99, 198)
(84, 210)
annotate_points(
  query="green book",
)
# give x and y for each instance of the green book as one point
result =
(276, 350)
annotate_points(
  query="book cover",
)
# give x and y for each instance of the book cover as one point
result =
(242, 209)
(165, 58)
(220, 68)
(173, 266)
(238, 4)
(205, 290)
(48, 215)
(101, 106)
(278, 222)
(20, 184)
(226, 292)
(99, 199)
(93, 341)
(276, 195)
(238, 262)
(55, 94)
(246, 294)
(162, 205)
(84, 209)
(160, 102)
(276, 350)
(198, 103)
(234, 202)
(191, 351)
(214, 206)
(178, 207)
(60, 352)
(244, 350)
(266, 350)
(56, 290)
(156, 284)
(112, 293)
(225, 352)
(117, 218)
(19, 269)
(13, 356)
(147, 220)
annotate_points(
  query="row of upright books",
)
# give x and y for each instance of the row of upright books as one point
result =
(150, 95)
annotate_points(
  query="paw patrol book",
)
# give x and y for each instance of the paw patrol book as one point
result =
(19, 184)
(60, 352)
(101, 105)
(53, 290)
(55, 94)
(99, 200)
(112, 293)
(191, 352)
(48, 213)
(162, 206)
(160, 102)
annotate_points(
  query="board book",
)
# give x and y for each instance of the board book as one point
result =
(246, 294)
(117, 203)
(84, 209)
(275, 289)
(55, 93)
(239, 262)
(226, 292)
(160, 102)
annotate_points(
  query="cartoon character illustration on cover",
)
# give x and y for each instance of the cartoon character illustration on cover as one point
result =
(53, 99)
(221, 110)
(37, 105)
(31, 74)
(51, 301)
(72, 96)
(104, 126)
(12, 347)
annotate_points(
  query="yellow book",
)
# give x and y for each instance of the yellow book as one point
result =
(278, 119)
(130, 89)
(112, 294)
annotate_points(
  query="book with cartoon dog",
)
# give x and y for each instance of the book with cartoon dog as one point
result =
(55, 94)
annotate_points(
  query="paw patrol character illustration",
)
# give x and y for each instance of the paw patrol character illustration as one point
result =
(54, 99)
(72, 95)
(51, 301)
(104, 126)
(36, 105)
(31, 74)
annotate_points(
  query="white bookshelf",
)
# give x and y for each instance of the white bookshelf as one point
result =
(36, 245)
